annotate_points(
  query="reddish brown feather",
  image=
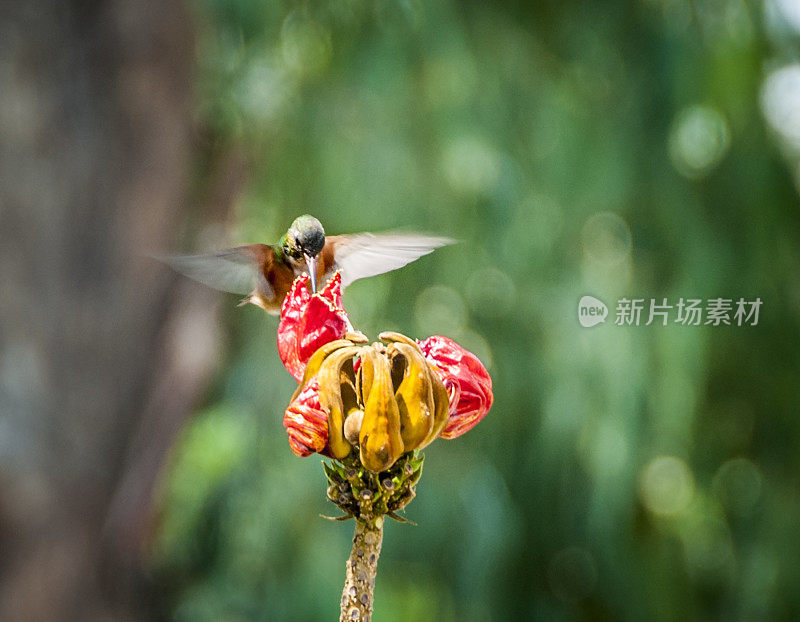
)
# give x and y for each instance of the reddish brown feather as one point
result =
(280, 275)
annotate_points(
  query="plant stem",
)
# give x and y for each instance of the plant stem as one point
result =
(362, 566)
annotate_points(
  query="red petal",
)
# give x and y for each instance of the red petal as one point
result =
(467, 382)
(290, 326)
(308, 322)
(306, 422)
(324, 322)
(333, 290)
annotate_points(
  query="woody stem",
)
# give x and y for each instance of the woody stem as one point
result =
(362, 566)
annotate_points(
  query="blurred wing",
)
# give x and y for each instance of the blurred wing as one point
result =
(367, 254)
(234, 270)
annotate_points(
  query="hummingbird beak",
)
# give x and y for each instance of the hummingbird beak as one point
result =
(311, 262)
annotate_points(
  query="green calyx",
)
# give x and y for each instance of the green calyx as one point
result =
(365, 495)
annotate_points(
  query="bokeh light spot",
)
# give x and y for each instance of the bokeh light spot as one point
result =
(305, 45)
(264, 90)
(788, 11)
(698, 140)
(737, 484)
(666, 485)
(491, 292)
(780, 101)
(606, 239)
(471, 165)
(448, 80)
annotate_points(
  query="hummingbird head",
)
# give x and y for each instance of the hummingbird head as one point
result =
(306, 239)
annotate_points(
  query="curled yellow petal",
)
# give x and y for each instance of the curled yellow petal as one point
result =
(379, 439)
(441, 407)
(414, 396)
(357, 337)
(316, 360)
(366, 373)
(390, 336)
(330, 398)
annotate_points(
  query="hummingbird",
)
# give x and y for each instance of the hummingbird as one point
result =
(264, 272)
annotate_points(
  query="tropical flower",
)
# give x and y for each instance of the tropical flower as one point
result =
(310, 321)
(467, 382)
(385, 399)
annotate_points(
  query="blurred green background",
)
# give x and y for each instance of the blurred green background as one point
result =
(630, 149)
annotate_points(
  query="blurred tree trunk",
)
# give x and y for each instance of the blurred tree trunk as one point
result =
(100, 355)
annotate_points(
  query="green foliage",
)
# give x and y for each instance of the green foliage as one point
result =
(642, 473)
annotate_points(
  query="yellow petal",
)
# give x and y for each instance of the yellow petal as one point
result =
(330, 398)
(380, 442)
(414, 396)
